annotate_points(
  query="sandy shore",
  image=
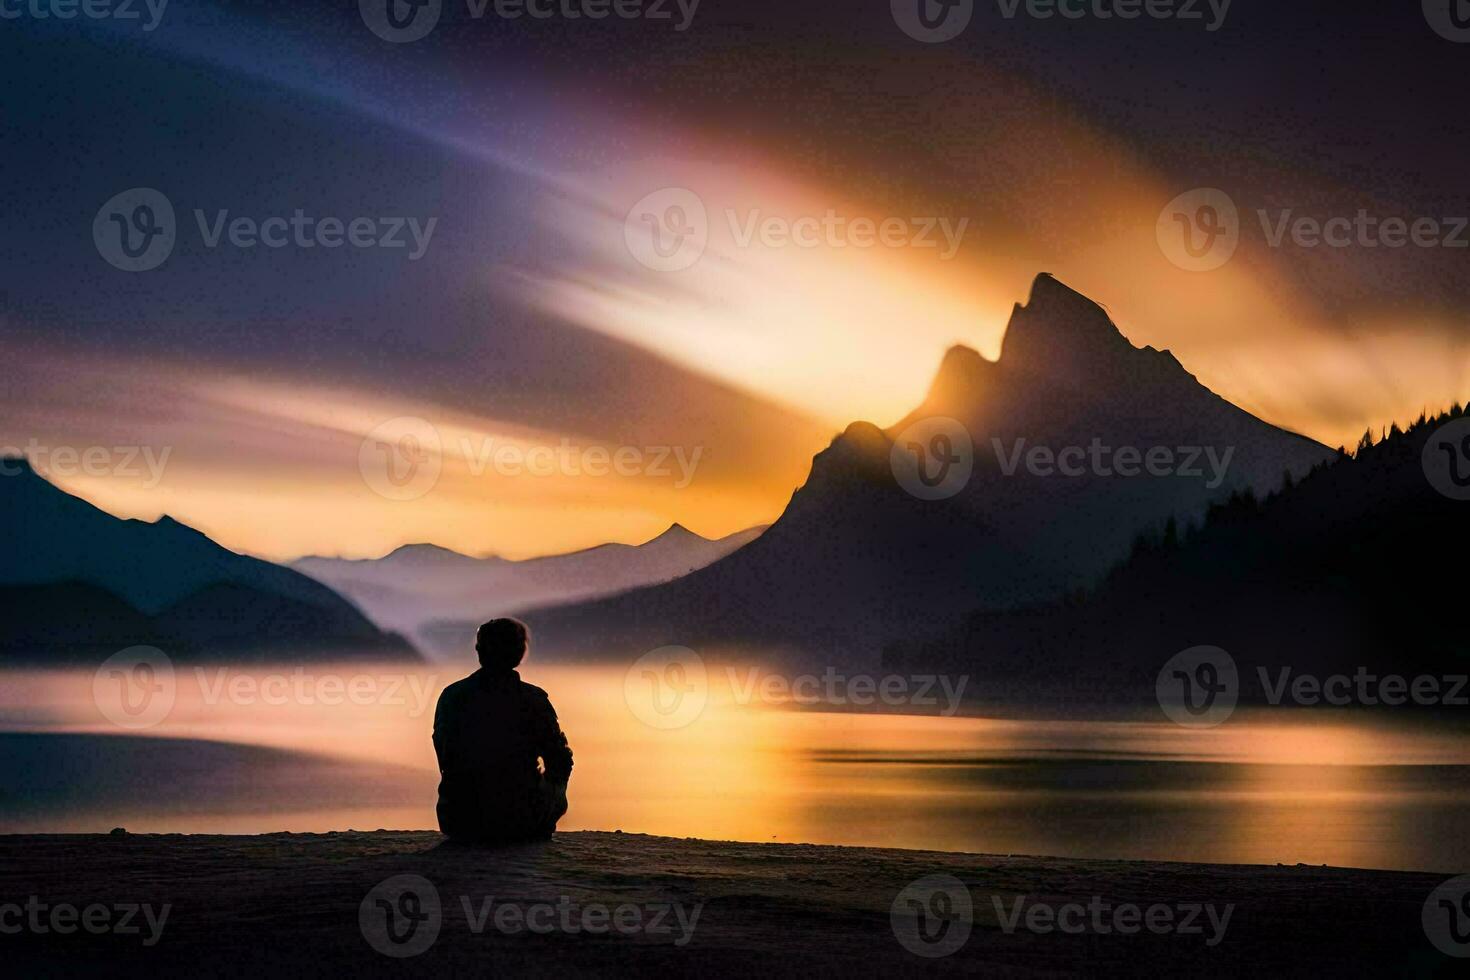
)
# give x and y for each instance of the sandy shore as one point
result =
(593, 902)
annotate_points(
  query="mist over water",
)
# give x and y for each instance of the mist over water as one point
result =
(322, 747)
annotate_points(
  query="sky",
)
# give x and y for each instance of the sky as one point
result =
(505, 359)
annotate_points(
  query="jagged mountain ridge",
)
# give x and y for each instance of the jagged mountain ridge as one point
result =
(77, 582)
(440, 595)
(1324, 577)
(855, 558)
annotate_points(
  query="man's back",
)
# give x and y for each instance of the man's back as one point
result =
(489, 731)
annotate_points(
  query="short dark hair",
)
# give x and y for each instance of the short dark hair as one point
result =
(502, 643)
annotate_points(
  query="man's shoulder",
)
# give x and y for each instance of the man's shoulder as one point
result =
(473, 686)
(459, 688)
(535, 696)
(534, 693)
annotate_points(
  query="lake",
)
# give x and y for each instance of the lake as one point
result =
(322, 748)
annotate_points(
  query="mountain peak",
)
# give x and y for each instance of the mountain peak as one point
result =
(960, 381)
(863, 438)
(862, 447)
(426, 552)
(676, 532)
(1059, 328)
(1047, 287)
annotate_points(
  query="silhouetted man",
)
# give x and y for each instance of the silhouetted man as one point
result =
(489, 731)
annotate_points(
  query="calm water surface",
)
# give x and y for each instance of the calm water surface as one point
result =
(247, 751)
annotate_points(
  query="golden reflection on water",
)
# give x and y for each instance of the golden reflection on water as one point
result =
(1307, 787)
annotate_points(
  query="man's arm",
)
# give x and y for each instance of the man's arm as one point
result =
(556, 756)
(442, 712)
(552, 746)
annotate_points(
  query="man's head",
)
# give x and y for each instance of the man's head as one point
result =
(501, 644)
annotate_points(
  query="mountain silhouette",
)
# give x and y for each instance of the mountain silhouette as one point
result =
(439, 596)
(856, 557)
(76, 581)
(1331, 573)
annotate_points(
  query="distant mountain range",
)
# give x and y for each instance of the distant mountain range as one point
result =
(856, 558)
(439, 596)
(1350, 567)
(78, 584)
